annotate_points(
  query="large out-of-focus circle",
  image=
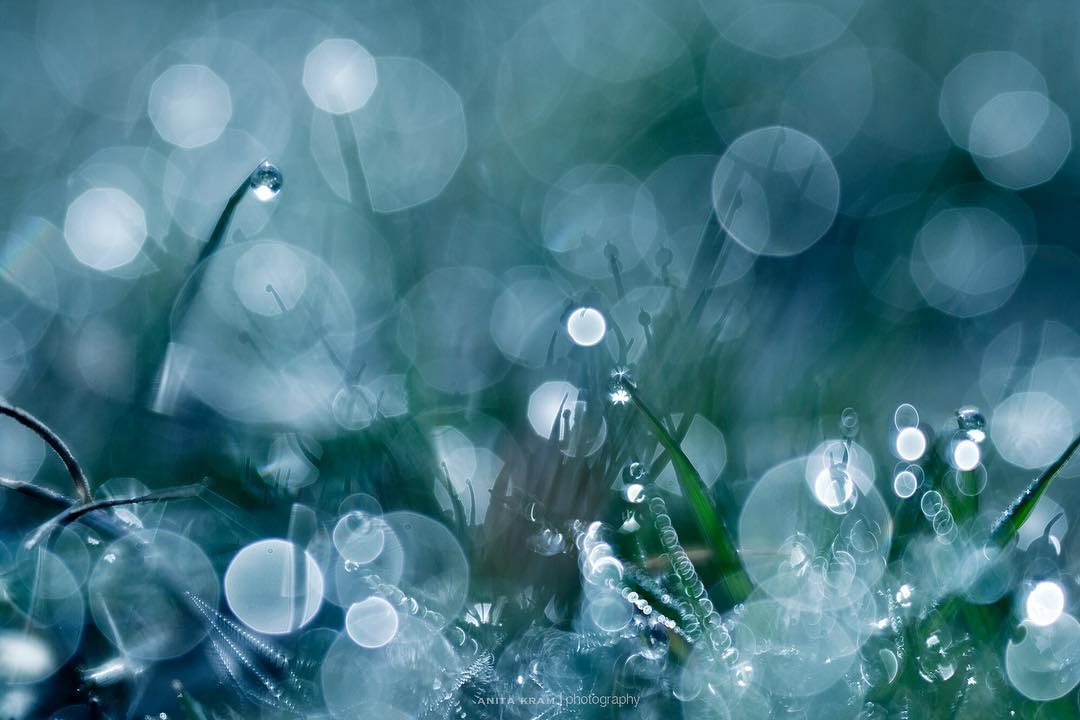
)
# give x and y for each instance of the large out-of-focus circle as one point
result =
(967, 260)
(269, 278)
(371, 623)
(272, 588)
(444, 329)
(776, 191)
(339, 75)
(1031, 429)
(1042, 666)
(137, 594)
(190, 105)
(105, 228)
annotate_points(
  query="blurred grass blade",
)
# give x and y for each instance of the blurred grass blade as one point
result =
(1008, 525)
(733, 578)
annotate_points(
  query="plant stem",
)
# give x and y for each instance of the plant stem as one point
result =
(82, 484)
(733, 578)
(1009, 523)
(75, 512)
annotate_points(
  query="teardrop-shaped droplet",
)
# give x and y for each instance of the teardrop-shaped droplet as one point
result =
(266, 181)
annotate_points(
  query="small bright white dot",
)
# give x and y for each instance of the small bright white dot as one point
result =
(189, 105)
(905, 483)
(1045, 603)
(635, 493)
(586, 326)
(104, 228)
(910, 444)
(834, 492)
(371, 623)
(966, 455)
(339, 76)
(620, 396)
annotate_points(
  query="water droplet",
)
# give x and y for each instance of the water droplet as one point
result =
(266, 181)
(849, 423)
(910, 443)
(931, 503)
(586, 326)
(966, 454)
(970, 418)
(1045, 603)
(905, 484)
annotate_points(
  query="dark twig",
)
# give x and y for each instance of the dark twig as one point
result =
(82, 484)
(75, 512)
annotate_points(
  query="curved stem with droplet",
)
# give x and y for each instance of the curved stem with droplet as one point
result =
(82, 484)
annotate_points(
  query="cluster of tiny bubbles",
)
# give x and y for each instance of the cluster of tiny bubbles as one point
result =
(586, 326)
(692, 600)
(910, 440)
(776, 191)
(352, 581)
(420, 554)
(1041, 662)
(137, 590)
(799, 550)
(266, 181)
(273, 586)
(45, 601)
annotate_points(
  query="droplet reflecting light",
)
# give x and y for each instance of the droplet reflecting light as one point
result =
(371, 623)
(910, 444)
(266, 181)
(1045, 603)
(586, 326)
(966, 455)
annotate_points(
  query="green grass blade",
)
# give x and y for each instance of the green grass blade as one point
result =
(1008, 525)
(734, 579)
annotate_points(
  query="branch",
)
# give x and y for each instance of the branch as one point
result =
(82, 484)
